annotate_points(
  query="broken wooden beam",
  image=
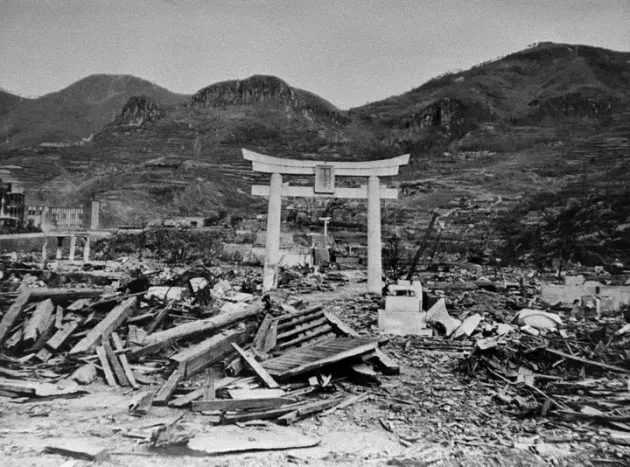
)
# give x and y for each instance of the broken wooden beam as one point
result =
(308, 409)
(107, 370)
(259, 339)
(46, 333)
(168, 388)
(12, 314)
(384, 363)
(162, 339)
(57, 340)
(186, 399)
(108, 325)
(223, 405)
(584, 361)
(271, 337)
(37, 323)
(142, 404)
(159, 318)
(260, 415)
(118, 345)
(348, 402)
(59, 317)
(199, 356)
(339, 325)
(63, 295)
(256, 367)
(115, 364)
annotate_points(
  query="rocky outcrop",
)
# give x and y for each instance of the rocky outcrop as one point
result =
(138, 110)
(581, 104)
(445, 115)
(264, 90)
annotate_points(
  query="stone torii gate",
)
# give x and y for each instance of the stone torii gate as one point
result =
(325, 173)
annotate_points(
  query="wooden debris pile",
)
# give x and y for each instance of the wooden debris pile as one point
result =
(577, 372)
(249, 361)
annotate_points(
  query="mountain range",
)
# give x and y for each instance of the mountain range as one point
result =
(538, 119)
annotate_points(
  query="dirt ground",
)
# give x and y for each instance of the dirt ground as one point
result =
(430, 414)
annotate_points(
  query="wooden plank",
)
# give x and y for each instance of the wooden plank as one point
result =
(338, 324)
(287, 318)
(168, 388)
(46, 333)
(44, 355)
(115, 364)
(301, 329)
(59, 317)
(142, 404)
(259, 340)
(308, 409)
(294, 322)
(183, 401)
(199, 356)
(256, 367)
(385, 364)
(58, 339)
(298, 340)
(159, 318)
(260, 415)
(118, 345)
(162, 339)
(271, 337)
(12, 314)
(107, 370)
(108, 325)
(17, 386)
(238, 404)
(348, 402)
(63, 295)
(260, 393)
(317, 365)
(586, 362)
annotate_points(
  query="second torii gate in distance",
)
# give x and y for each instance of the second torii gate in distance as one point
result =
(325, 173)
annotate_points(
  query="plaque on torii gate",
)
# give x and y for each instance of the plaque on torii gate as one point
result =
(325, 174)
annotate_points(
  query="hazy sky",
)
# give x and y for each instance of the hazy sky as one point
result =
(349, 52)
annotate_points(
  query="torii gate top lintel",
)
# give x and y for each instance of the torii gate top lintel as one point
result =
(271, 164)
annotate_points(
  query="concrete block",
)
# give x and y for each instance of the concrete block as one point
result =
(403, 323)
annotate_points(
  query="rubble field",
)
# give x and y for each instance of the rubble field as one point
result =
(137, 362)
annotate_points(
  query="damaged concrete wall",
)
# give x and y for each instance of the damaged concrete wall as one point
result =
(612, 296)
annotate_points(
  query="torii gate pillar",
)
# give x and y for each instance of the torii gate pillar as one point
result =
(375, 262)
(272, 242)
(325, 173)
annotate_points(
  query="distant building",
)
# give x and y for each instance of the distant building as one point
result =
(11, 204)
(84, 217)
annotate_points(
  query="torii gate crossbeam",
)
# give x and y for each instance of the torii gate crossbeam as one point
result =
(325, 173)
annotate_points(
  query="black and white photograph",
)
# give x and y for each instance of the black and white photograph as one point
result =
(315, 233)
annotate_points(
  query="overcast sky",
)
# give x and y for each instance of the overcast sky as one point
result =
(349, 52)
